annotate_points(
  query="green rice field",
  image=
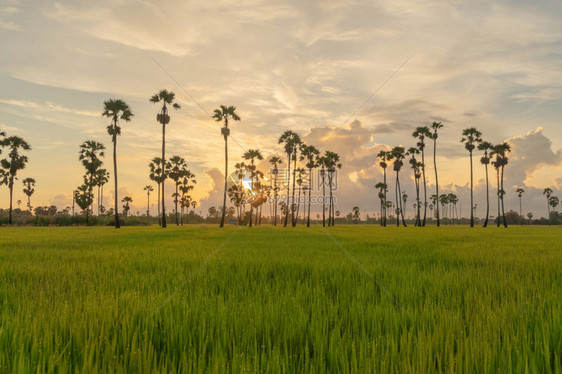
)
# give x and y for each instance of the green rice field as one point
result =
(344, 299)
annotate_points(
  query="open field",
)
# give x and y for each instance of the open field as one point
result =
(273, 299)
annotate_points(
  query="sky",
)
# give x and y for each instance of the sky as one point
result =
(354, 76)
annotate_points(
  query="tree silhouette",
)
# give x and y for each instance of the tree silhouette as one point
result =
(383, 157)
(13, 163)
(519, 191)
(398, 154)
(252, 155)
(84, 198)
(501, 151)
(275, 171)
(166, 98)
(102, 177)
(177, 171)
(436, 126)
(187, 184)
(148, 188)
(291, 142)
(90, 155)
(116, 110)
(548, 192)
(311, 155)
(382, 187)
(28, 189)
(471, 138)
(485, 160)
(416, 167)
(421, 133)
(126, 207)
(355, 214)
(331, 161)
(158, 175)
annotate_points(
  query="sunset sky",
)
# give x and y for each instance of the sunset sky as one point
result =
(305, 66)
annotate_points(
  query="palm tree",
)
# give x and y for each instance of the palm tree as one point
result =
(126, 207)
(84, 198)
(421, 133)
(223, 114)
(383, 157)
(252, 155)
(471, 138)
(13, 163)
(274, 161)
(436, 126)
(331, 161)
(292, 141)
(501, 151)
(102, 177)
(310, 154)
(548, 192)
(187, 184)
(166, 98)
(397, 154)
(116, 109)
(177, 171)
(553, 202)
(148, 188)
(355, 214)
(28, 184)
(382, 187)
(519, 191)
(485, 160)
(301, 178)
(157, 175)
(90, 154)
(416, 167)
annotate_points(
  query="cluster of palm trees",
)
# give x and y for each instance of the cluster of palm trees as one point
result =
(12, 164)
(496, 155)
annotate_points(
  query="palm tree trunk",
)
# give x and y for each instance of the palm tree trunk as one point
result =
(498, 181)
(418, 218)
(163, 207)
(276, 199)
(487, 199)
(288, 189)
(293, 207)
(397, 192)
(384, 208)
(520, 210)
(309, 197)
(424, 189)
(503, 208)
(323, 199)
(251, 203)
(401, 207)
(148, 204)
(176, 206)
(158, 199)
(11, 195)
(225, 180)
(436, 180)
(117, 223)
(471, 194)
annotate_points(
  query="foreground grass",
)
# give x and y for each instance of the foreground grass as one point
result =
(273, 299)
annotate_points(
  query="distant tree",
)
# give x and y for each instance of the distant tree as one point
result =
(530, 216)
(436, 126)
(311, 155)
(148, 188)
(187, 184)
(355, 214)
(116, 110)
(519, 191)
(84, 198)
(332, 162)
(485, 160)
(102, 177)
(416, 167)
(471, 138)
(421, 133)
(28, 189)
(158, 175)
(19, 204)
(90, 155)
(292, 142)
(398, 154)
(501, 151)
(548, 193)
(382, 187)
(13, 163)
(223, 114)
(177, 171)
(126, 207)
(553, 202)
(252, 155)
(383, 157)
(165, 98)
(274, 161)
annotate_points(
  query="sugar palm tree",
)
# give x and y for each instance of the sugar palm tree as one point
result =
(223, 114)
(148, 188)
(126, 207)
(252, 155)
(165, 98)
(177, 171)
(116, 110)
(102, 177)
(501, 151)
(421, 133)
(187, 184)
(292, 142)
(553, 202)
(331, 161)
(436, 126)
(13, 163)
(90, 155)
(383, 157)
(519, 191)
(310, 154)
(275, 171)
(416, 167)
(157, 175)
(355, 214)
(382, 187)
(322, 164)
(547, 192)
(28, 189)
(485, 160)
(471, 138)
(398, 155)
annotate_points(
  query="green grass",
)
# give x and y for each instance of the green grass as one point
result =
(280, 300)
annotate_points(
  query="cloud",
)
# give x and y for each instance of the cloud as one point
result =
(216, 191)
(49, 107)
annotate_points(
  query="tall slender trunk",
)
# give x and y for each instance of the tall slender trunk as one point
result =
(487, 198)
(162, 194)
(424, 189)
(158, 199)
(148, 204)
(288, 190)
(498, 181)
(520, 210)
(385, 188)
(11, 195)
(471, 194)
(276, 197)
(436, 180)
(323, 175)
(333, 210)
(399, 194)
(176, 206)
(251, 202)
(330, 213)
(503, 207)
(309, 197)
(117, 223)
(223, 213)
(418, 216)
(293, 207)
(98, 200)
